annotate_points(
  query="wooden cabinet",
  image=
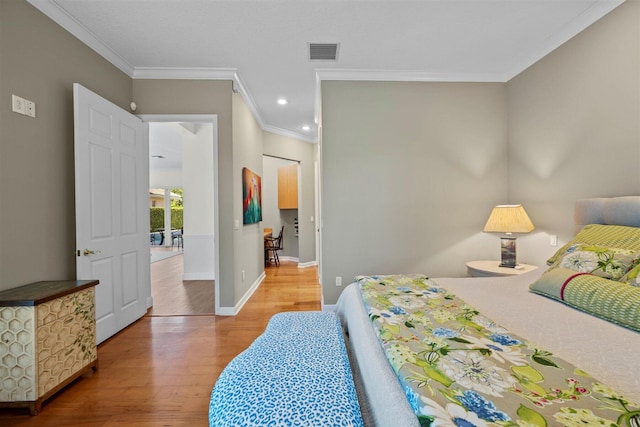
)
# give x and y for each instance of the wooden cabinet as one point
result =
(47, 339)
(288, 187)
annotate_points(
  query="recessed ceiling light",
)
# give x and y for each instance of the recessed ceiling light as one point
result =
(306, 128)
(282, 101)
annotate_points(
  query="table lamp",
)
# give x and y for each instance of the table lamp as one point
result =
(508, 219)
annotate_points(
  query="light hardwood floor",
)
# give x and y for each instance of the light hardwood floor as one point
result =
(174, 296)
(160, 370)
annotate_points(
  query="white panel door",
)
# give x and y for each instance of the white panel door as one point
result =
(112, 209)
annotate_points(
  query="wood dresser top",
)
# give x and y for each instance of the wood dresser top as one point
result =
(40, 292)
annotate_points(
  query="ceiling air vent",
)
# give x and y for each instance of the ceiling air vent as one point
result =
(323, 51)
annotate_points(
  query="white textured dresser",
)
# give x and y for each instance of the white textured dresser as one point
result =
(47, 340)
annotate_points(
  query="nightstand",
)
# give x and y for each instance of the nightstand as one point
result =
(493, 269)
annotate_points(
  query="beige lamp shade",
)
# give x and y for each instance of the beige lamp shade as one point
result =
(508, 219)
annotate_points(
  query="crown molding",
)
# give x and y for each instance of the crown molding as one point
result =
(61, 17)
(405, 76)
(241, 88)
(290, 134)
(185, 73)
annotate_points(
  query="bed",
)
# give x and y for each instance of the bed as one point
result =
(606, 350)
(558, 346)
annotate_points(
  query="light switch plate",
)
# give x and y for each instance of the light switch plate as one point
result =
(17, 104)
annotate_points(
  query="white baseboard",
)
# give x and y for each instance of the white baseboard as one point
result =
(288, 258)
(307, 264)
(328, 307)
(226, 311)
(232, 311)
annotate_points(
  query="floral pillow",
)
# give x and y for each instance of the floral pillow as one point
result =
(613, 236)
(632, 277)
(610, 263)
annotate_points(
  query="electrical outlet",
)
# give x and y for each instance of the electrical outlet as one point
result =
(243, 275)
(29, 108)
(338, 281)
(17, 104)
(553, 240)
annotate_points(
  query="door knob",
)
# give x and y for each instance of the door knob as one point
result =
(89, 252)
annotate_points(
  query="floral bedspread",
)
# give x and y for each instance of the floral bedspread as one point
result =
(459, 368)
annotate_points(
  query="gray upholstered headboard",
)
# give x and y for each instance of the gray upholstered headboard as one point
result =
(607, 210)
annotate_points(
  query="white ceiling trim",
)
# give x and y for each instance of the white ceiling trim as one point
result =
(191, 73)
(177, 118)
(241, 88)
(596, 11)
(284, 132)
(60, 16)
(404, 76)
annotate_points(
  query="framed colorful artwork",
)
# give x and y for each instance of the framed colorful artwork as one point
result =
(251, 197)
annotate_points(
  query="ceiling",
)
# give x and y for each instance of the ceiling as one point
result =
(165, 146)
(263, 45)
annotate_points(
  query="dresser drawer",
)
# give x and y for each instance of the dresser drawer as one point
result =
(56, 309)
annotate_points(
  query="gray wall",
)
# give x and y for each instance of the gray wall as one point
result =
(568, 127)
(302, 152)
(574, 127)
(249, 240)
(410, 172)
(40, 62)
(204, 97)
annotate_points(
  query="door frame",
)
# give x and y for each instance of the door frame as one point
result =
(199, 119)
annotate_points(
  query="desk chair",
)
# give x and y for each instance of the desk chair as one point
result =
(271, 247)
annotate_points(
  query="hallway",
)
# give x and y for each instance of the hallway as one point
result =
(173, 296)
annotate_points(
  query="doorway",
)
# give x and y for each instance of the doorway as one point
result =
(275, 216)
(183, 155)
(165, 218)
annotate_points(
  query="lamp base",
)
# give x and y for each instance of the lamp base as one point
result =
(508, 251)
